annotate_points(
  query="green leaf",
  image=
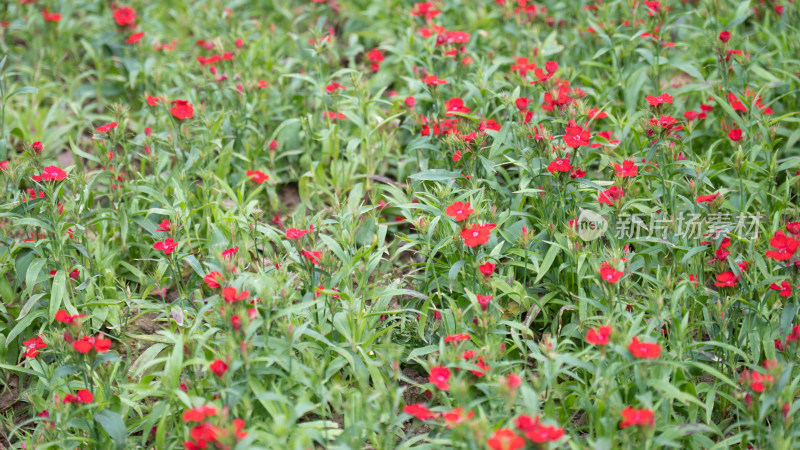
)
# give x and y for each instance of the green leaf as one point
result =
(435, 175)
(22, 325)
(58, 292)
(34, 269)
(548, 261)
(688, 68)
(175, 365)
(113, 425)
(23, 90)
(195, 264)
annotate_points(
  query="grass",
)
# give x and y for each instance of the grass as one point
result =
(381, 224)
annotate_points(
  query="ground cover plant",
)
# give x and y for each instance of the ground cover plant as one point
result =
(342, 224)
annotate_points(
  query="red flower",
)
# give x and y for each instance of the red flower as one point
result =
(596, 114)
(455, 105)
(334, 116)
(725, 36)
(164, 226)
(331, 88)
(735, 135)
(33, 345)
(101, 345)
(167, 246)
(203, 434)
(609, 273)
(522, 103)
(550, 67)
(456, 338)
(794, 335)
(439, 377)
(410, 101)
(610, 195)
(433, 80)
(64, 317)
(559, 165)
(660, 100)
(523, 66)
(153, 101)
(218, 367)
(785, 245)
(726, 279)
(794, 228)
(487, 269)
(375, 55)
(82, 346)
(419, 411)
(483, 367)
(576, 136)
(707, 198)
(51, 173)
(85, 396)
(644, 350)
(536, 431)
(476, 234)
(257, 176)
(424, 9)
(577, 173)
(199, 414)
(785, 289)
(627, 169)
(512, 381)
(231, 295)
(314, 257)
(631, 416)
(757, 382)
(51, 17)
(124, 16)
(459, 211)
(600, 336)
(182, 109)
(505, 439)
(456, 416)
(483, 301)
(489, 124)
(213, 279)
(227, 253)
(134, 38)
(294, 233)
